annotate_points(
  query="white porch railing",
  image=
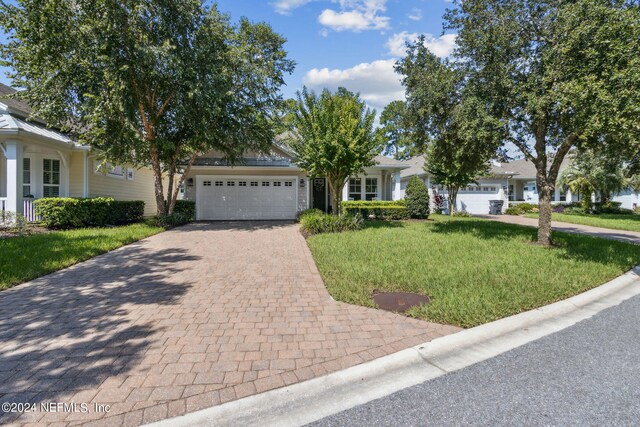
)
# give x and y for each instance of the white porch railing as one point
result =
(29, 210)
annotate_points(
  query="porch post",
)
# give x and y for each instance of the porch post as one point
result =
(396, 186)
(15, 156)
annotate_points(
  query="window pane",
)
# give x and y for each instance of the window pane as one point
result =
(46, 164)
(55, 165)
(46, 177)
(26, 190)
(55, 176)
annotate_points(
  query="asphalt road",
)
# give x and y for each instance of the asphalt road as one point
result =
(586, 375)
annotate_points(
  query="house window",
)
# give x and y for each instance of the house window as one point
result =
(242, 184)
(355, 189)
(51, 178)
(265, 183)
(277, 184)
(231, 183)
(563, 195)
(288, 184)
(26, 177)
(254, 183)
(207, 183)
(371, 188)
(219, 183)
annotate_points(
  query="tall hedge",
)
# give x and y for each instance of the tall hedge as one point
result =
(69, 212)
(416, 197)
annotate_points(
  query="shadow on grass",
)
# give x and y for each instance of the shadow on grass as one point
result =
(72, 329)
(570, 246)
(385, 224)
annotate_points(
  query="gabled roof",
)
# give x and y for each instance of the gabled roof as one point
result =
(388, 162)
(12, 124)
(415, 166)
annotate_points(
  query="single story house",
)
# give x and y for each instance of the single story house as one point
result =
(510, 182)
(262, 187)
(37, 161)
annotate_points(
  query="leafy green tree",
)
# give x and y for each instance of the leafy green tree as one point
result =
(595, 172)
(416, 197)
(560, 74)
(393, 132)
(459, 134)
(333, 137)
(149, 83)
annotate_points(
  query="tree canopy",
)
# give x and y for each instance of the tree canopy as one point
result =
(333, 136)
(447, 120)
(559, 74)
(394, 132)
(147, 83)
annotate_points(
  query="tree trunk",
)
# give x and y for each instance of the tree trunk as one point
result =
(157, 180)
(336, 185)
(545, 190)
(452, 200)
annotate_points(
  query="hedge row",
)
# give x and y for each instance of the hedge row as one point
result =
(313, 221)
(61, 212)
(376, 209)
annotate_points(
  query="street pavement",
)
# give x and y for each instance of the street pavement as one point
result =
(587, 374)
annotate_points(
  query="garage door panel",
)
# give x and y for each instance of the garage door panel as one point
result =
(246, 198)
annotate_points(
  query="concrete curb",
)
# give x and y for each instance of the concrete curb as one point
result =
(317, 398)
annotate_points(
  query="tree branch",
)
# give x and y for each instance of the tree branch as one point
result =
(522, 147)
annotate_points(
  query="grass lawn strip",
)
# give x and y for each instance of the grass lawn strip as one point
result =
(28, 257)
(475, 271)
(613, 221)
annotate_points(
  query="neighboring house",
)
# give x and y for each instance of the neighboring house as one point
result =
(271, 186)
(37, 161)
(510, 182)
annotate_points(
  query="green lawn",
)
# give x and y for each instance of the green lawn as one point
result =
(614, 221)
(27, 257)
(474, 270)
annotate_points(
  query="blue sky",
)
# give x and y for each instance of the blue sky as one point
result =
(350, 43)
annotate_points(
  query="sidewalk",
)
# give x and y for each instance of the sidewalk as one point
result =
(606, 233)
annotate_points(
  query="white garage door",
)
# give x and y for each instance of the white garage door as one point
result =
(245, 197)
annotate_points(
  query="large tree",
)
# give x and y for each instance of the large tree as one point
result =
(151, 83)
(447, 121)
(560, 73)
(394, 132)
(333, 137)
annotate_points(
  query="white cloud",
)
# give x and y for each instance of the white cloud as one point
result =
(285, 7)
(356, 15)
(415, 14)
(440, 46)
(377, 82)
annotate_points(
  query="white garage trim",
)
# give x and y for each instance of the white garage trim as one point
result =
(211, 205)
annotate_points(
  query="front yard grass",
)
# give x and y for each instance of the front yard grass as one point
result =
(24, 258)
(613, 221)
(475, 271)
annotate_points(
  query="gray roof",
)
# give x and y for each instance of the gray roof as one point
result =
(388, 162)
(17, 106)
(521, 169)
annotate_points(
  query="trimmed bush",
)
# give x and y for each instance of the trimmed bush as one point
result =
(185, 209)
(610, 207)
(376, 209)
(169, 221)
(316, 223)
(68, 212)
(417, 198)
(522, 208)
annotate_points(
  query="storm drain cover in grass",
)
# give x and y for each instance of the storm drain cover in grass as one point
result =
(398, 301)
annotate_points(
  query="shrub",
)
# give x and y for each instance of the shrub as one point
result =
(462, 214)
(185, 209)
(169, 221)
(316, 223)
(417, 198)
(522, 208)
(308, 212)
(60, 212)
(610, 208)
(377, 209)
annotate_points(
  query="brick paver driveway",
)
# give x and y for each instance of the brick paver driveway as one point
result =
(184, 320)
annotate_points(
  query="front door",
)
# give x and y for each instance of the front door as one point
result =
(320, 194)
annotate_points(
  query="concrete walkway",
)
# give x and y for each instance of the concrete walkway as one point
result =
(182, 321)
(606, 233)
